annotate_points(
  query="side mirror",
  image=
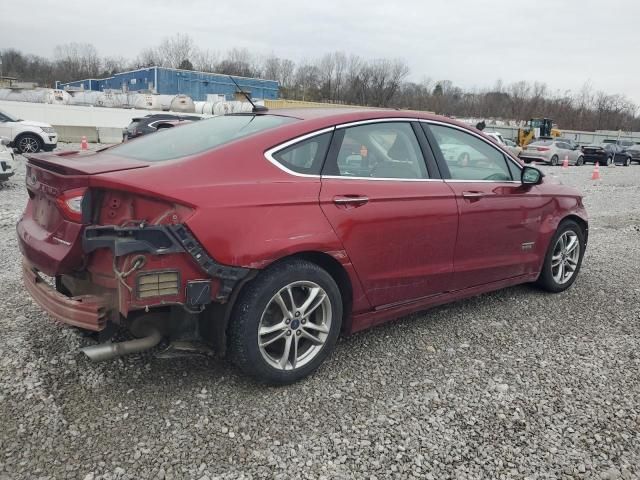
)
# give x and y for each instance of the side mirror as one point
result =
(530, 176)
(4, 141)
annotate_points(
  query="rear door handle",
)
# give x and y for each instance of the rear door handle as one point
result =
(347, 200)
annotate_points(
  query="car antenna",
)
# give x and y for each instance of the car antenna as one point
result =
(256, 108)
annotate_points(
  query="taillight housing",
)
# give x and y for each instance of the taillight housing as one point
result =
(70, 204)
(543, 149)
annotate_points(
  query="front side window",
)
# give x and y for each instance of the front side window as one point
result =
(468, 157)
(306, 156)
(5, 117)
(197, 137)
(380, 150)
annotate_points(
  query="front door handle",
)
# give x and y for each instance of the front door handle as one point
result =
(473, 195)
(355, 201)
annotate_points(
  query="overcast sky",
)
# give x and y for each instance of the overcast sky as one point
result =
(563, 43)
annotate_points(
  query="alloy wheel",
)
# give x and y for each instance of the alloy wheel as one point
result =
(294, 325)
(28, 145)
(566, 254)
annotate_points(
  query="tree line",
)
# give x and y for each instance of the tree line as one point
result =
(338, 77)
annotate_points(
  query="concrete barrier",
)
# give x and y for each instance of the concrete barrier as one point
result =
(109, 135)
(74, 134)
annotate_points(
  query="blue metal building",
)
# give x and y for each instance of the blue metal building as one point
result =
(170, 81)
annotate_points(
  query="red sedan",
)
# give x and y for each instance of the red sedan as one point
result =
(264, 236)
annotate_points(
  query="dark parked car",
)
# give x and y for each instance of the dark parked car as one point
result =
(634, 152)
(152, 123)
(267, 235)
(606, 154)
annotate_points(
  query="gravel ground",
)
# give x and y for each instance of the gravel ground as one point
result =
(513, 384)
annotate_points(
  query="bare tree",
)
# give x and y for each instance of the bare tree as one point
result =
(76, 61)
(337, 77)
(172, 51)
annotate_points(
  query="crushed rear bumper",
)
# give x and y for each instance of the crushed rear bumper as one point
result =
(85, 311)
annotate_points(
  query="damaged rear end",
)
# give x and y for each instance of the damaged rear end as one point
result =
(98, 258)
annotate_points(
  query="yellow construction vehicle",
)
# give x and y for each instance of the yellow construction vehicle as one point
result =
(537, 128)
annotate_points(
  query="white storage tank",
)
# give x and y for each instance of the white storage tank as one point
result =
(223, 108)
(150, 101)
(38, 95)
(87, 97)
(182, 103)
(204, 108)
(58, 97)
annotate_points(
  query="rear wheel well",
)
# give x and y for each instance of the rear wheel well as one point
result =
(339, 275)
(216, 318)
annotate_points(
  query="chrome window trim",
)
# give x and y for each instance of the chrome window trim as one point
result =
(451, 180)
(495, 147)
(376, 120)
(346, 177)
(269, 153)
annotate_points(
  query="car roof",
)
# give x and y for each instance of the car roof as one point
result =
(346, 114)
(314, 118)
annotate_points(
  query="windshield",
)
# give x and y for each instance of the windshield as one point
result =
(197, 137)
(10, 118)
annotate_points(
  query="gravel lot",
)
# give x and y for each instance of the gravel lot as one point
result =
(514, 384)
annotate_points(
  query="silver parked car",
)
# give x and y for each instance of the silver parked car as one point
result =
(553, 152)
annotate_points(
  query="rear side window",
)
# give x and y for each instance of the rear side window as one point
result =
(197, 137)
(384, 150)
(306, 156)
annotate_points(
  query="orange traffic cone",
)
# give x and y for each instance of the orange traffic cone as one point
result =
(596, 172)
(565, 162)
(83, 144)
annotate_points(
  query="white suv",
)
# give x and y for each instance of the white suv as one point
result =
(27, 136)
(6, 160)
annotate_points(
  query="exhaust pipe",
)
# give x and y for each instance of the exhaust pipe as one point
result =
(109, 350)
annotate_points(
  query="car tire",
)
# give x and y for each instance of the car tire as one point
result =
(553, 276)
(554, 161)
(580, 161)
(627, 162)
(270, 337)
(609, 161)
(28, 143)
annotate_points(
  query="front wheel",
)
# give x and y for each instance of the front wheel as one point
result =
(286, 322)
(563, 259)
(580, 161)
(609, 161)
(29, 143)
(554, 161)
(627, 162)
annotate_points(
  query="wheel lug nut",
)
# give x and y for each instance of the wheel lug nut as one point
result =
(299, 332)
(297, 314)
(287, 321)
(288, 332)
(303, 321)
